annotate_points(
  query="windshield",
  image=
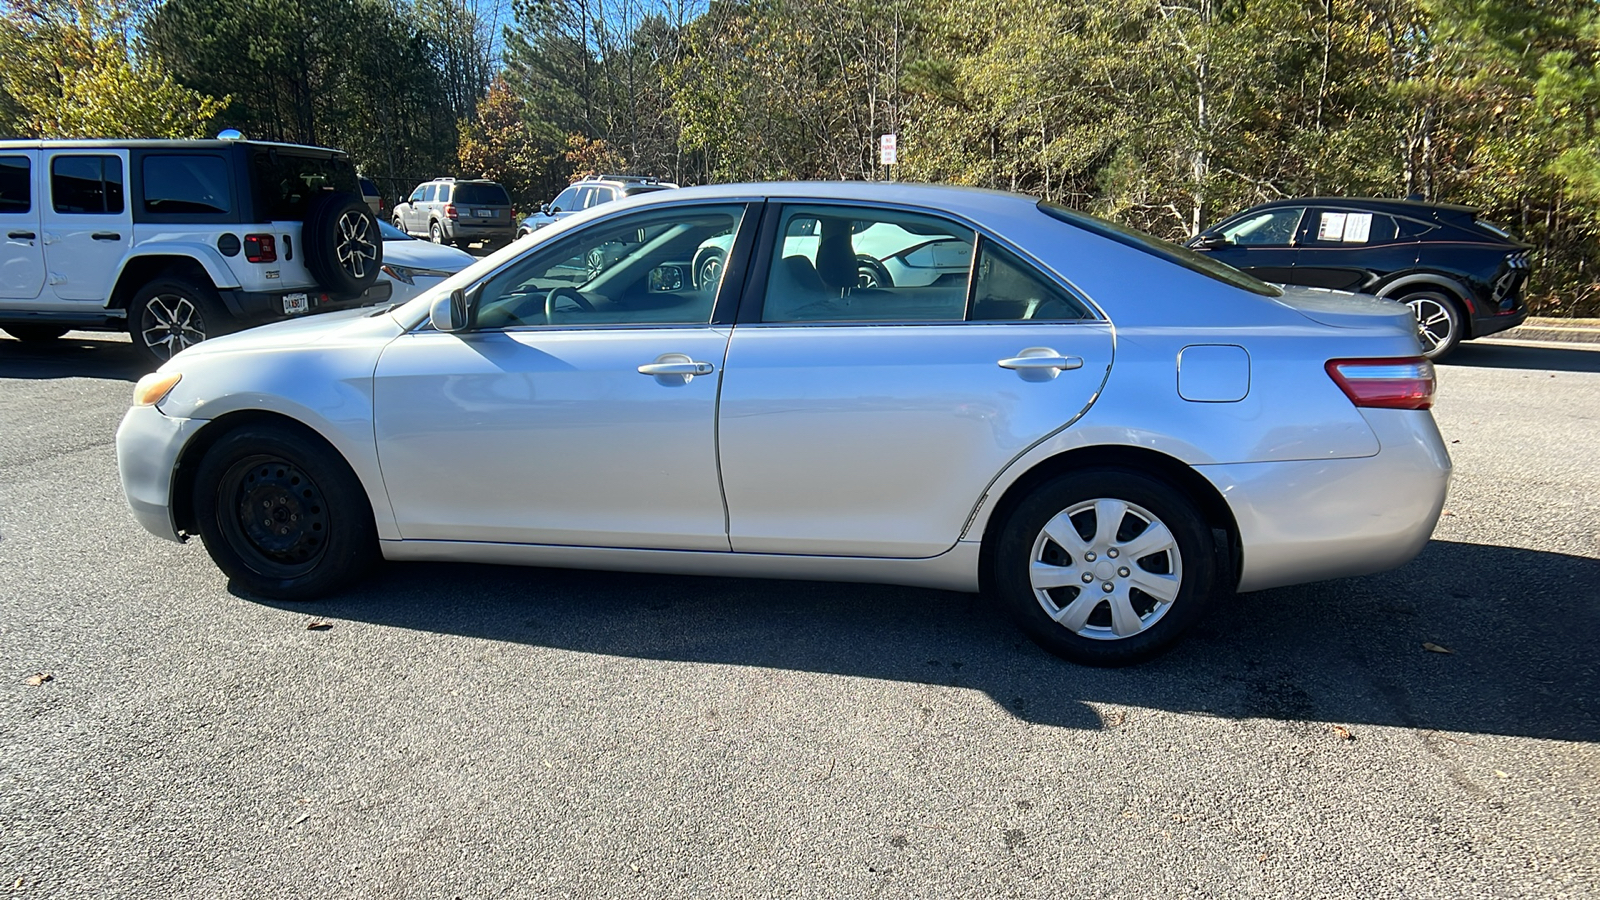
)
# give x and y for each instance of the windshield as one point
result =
(485, 194)
(1172, 253)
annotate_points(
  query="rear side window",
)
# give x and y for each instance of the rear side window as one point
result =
(186, 184)
(1333, 227)
(16, 185)
(1198, 263)
(286, 183)
(86, 185)
(481, 195)
(1009, 290)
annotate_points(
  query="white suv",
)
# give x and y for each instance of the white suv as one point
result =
(178, 241)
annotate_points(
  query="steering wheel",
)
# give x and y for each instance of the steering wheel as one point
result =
(563, 293)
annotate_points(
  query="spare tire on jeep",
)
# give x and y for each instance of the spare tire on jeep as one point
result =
(341, 243)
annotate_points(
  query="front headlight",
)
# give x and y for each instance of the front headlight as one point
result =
(408, 275)
(152, 388)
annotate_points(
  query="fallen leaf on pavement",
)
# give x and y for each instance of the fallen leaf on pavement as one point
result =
(303, 817)
(1342, 733)
(1435, 648)
(318, 625)
(40, 678)
(1500, 774)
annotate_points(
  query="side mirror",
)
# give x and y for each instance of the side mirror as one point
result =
(666, 279)
(1211, 242)
(449, 313)
(547, 209)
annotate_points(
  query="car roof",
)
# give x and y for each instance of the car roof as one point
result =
(1414, 208)
(966, 201)
(154, 144)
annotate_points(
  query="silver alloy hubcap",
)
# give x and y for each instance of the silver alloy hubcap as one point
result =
(710, 270)
(171, 323)
(356, 249)
(1079, 586)
(1433, 322)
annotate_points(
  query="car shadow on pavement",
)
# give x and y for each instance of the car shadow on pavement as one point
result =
(1490, 355)
(75, 355)
(1519, 628)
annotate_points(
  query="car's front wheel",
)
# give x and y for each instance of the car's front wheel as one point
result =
(1440, 324)
(170, 315)
(1105, 567)
(282, 514)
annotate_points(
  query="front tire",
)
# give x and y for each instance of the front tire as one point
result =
(35, 334)
(169, 315)
(282, 514)
(1105, 567)
(1441, 325)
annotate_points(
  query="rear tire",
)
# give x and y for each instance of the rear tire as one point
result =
(35, 334)
(1143, 546)
(282, 514)
(342, 247)
(1441, 324)
(169, 315)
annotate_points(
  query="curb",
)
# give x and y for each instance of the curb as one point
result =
(1560, 331)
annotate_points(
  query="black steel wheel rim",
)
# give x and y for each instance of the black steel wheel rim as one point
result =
(274, 514)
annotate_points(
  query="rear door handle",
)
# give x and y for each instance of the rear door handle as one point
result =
(106, 236)
(677, 368)
(1034, 363)
(21, 235)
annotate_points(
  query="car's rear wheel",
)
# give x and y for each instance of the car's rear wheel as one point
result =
(282, 514)
(1440, 322)
(35, 333)
(1105, 567)
(871, 274)
(435, 233)
(169, 315)
(709, 270)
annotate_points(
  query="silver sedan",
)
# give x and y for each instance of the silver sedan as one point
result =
(1101, 431)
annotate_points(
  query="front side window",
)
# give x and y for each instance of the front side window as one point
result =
(859, 264)
(418, 194)
(16, 185)
(186, 184)
(86, 185)
(1269, 228)
(564, 201)
(630, 270)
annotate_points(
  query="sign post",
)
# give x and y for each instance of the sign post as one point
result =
(887, 152)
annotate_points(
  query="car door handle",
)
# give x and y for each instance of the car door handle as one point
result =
(106, 236)
(1025, 363)
(21, 235)
(677, 368)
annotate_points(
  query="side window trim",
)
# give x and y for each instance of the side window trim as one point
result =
(105, 210)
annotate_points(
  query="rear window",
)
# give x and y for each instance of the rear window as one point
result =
(642, 189)
(1165, 250)
(186, 184)
(482, 194)
(286, 184)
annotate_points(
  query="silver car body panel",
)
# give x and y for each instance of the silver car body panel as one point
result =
(1317, 487)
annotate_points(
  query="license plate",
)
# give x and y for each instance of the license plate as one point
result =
(483, 213)
(295, 303)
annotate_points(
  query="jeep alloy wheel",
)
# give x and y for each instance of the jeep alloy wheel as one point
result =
(169, 323)
(356, 249)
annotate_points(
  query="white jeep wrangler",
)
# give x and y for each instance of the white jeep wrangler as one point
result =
(178, 241)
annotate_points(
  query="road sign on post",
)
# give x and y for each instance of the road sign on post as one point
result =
(886, 149)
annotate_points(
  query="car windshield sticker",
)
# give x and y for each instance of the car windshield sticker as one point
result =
(1357, 227)
(1331, 228)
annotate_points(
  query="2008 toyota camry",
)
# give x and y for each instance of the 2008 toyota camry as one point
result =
(1101, 430)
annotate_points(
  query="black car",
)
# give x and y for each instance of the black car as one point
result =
(1462, 276)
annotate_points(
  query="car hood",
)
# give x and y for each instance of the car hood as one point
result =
(315, 329)
(1342, 309)
(426, 255)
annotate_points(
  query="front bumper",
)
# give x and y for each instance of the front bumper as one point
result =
(1311, 520)
(257, 307)
(148, 444)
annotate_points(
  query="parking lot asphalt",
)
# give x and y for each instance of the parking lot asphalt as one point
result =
(464, 731)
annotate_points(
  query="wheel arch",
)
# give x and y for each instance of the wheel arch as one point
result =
(195, 450)
(1175, 473)
(141, 269)
(1407, 284)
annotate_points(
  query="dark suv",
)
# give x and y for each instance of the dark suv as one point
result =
(1462, 276)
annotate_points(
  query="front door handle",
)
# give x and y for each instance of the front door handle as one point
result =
(106, 236)
(677, 368)
(21, 235)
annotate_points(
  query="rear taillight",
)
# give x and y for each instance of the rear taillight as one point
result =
(260, 248)
(1405, 383)
(450, 211)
